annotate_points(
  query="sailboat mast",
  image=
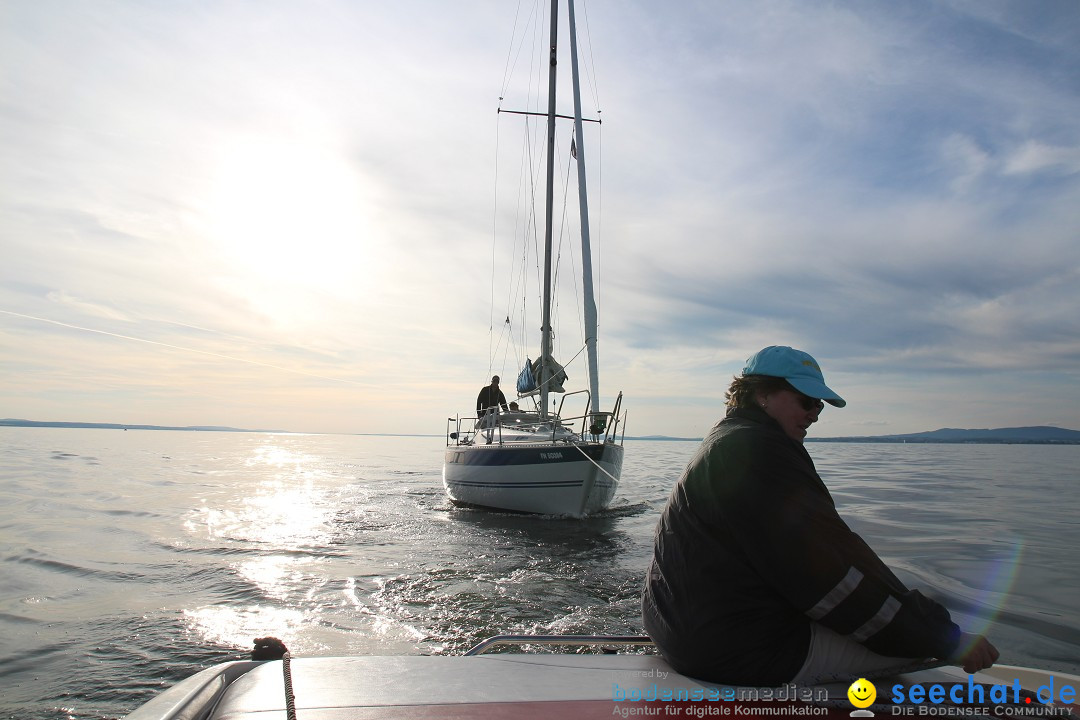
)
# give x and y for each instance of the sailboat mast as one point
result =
(583, 205)
(545, 341)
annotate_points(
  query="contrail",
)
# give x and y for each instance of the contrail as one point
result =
(184, 349)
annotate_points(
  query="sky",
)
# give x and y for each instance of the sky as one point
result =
(284, 215)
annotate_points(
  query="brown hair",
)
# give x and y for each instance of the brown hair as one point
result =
(743, 391)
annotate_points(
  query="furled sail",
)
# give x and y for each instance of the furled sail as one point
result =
(526, 382)
(555, 374)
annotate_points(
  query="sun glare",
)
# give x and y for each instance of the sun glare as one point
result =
(290, 217)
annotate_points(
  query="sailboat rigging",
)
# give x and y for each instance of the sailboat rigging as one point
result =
(544, 461)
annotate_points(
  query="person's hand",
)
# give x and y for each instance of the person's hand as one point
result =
(974, 653)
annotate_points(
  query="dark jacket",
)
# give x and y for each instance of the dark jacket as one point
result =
(489, 397)
(750, 550)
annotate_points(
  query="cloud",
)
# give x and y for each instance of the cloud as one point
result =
(1033, 156)
(277, 214)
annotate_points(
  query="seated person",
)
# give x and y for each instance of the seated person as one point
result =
(756, 580)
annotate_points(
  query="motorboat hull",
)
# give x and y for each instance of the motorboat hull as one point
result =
(526, 686)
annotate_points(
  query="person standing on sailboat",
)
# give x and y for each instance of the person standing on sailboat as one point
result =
(490, 398)
(756, 580)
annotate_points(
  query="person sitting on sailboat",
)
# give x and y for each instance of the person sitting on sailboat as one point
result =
(755, 578)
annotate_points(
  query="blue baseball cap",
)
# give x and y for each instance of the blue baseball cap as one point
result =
(798, 368)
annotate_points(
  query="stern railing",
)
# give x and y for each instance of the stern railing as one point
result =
(465, 430)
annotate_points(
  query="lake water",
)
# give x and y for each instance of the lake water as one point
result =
(131, 559)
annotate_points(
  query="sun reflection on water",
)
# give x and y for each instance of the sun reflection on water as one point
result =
(278, 514)
(239, 626)
(285, 507)
(275, 575)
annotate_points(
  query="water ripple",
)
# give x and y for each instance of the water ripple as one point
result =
(175, 550)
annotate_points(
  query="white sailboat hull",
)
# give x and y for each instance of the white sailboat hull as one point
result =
(573, 479)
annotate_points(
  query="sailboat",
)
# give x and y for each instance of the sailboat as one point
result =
(552, 460)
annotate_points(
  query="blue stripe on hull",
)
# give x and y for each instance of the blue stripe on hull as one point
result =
(514, 485)
(496, 455)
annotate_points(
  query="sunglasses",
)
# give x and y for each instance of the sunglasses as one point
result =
(808, 403)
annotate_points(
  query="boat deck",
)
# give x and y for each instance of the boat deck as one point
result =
(486, 687)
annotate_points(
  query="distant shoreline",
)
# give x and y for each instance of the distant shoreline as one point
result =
(928, 441)
(1040, 435)
(14, 422)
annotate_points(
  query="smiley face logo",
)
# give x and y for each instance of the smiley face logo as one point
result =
(862, 693)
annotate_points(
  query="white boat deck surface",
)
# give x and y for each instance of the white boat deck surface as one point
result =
(483, 687)
(426, 687)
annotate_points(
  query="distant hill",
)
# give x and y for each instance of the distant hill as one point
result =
(14, 422)
(1039, 435)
